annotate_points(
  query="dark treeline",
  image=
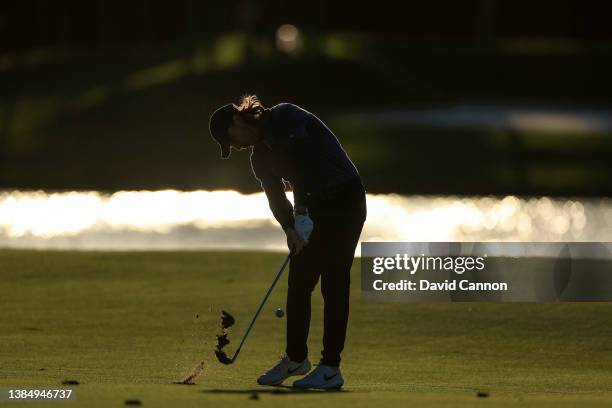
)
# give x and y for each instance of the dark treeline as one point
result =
(115, 94)
(29, 24)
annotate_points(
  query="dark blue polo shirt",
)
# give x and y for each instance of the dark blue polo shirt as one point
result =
(297, 147)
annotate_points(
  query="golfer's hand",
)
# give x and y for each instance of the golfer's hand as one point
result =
(294, 241)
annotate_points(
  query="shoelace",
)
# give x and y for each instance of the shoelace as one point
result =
(284, 361)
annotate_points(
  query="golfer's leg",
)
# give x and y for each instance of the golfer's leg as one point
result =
(303, 277)
(335, 285)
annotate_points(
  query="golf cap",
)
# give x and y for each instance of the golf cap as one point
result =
(220, 121)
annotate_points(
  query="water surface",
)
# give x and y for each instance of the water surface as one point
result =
(170, 219)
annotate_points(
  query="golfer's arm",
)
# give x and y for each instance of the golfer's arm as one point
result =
(279, 204)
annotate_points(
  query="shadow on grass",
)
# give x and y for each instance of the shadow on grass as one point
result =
(279, 390)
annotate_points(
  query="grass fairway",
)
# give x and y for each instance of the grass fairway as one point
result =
(126, 325)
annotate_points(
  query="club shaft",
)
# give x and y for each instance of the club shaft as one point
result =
(261, 305)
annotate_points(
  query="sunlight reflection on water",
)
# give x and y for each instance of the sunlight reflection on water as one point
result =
(172, 219)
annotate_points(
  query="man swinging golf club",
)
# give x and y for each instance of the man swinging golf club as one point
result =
(291, 144)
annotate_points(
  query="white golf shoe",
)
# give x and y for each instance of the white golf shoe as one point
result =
(283, 370)
(323, 377)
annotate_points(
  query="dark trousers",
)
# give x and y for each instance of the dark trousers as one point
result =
(328, 255)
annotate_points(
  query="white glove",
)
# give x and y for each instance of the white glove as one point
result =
(303, 223)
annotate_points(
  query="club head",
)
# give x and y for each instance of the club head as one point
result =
(223, 358)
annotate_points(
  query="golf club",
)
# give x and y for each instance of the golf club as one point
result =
(221, 355)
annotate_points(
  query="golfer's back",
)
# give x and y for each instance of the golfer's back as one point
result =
(300, 148)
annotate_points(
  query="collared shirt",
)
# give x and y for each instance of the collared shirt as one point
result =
(297, 147)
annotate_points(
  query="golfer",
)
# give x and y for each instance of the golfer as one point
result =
(291, 145)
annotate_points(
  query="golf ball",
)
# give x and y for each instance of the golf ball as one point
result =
(279, 312)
